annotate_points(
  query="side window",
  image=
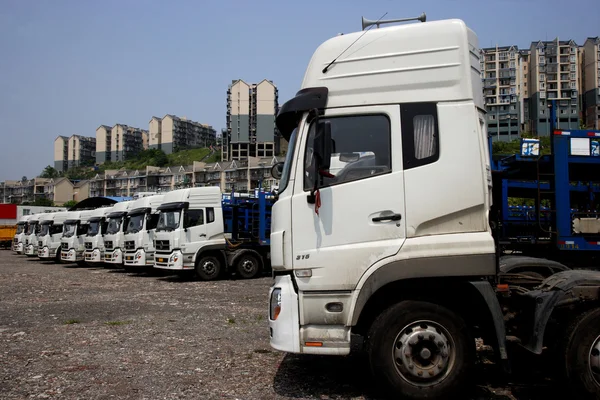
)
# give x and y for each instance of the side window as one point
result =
(210, 215)
(152, 221)
(82, 229)
(54, 229)
(361, 149)
(193, 218)
(420, 134)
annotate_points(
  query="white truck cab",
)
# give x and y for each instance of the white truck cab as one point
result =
(368, 205)
(74, 230)
(50, 235)
(19, 238)
(33, 228)
(190, 232)
(113, 239)
(94, 239)
(142, 218)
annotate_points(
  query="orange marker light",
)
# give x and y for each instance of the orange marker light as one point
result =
(313, 344)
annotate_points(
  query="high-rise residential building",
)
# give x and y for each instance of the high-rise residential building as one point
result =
(553, 75)
(61, 153)
(501, 83)
(171, 133)
(103, 143)
(591, 83)
(81, 151)
(523, 90)
(126, 142)
(251, 111)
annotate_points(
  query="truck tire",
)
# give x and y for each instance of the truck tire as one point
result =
(420, 350)
(208, 268)
(581, 354)
(247, 266)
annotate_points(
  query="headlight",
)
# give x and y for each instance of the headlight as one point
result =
(174, 258)
(138, 255)
(275, 308)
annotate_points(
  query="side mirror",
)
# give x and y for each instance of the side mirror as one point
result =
(277, 170)
(322, 145)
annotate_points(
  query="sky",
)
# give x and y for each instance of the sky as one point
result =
(67, 67)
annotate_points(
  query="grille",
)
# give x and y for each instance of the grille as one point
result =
(16, 240)
(39, 244)
(162, 245)
(64, 246)
(88, 246)
(26, 241)
(108, 245)
(130, 245)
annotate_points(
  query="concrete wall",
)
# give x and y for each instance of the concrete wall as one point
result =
(63, 191)
(154, 139)
(102, 133)
(167, 132)
(59, 147)
(240, 110)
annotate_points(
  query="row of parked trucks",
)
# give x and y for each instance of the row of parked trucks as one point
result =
(189, 230)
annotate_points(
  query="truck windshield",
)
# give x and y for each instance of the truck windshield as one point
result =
(37, 228)
(168, 220)
(114, 225)
(20, 228)
(285, 174)
(136, 223)
(69, 229)
(94, 228)
(44, 230)
(30, 228)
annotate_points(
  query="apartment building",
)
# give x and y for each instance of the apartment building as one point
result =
(591, 83)
(501, 83)
(553, 75)
(251, 111)
(172, 133)
(61, 153)
(523, 90)
(81, 151)
(103, 144)
(119, 142)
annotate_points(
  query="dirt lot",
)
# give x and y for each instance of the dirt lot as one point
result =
(97, 333)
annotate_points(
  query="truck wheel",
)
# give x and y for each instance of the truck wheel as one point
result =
(208, 268)
(420, 350)
(247, 266)
(581, 354)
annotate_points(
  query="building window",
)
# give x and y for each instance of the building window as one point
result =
(365, 139)
(573, 58)
(542, 77)
(542, 60)
(512, 64)
(573, 85)
(573, 67)
(573, 76)
(542, 85)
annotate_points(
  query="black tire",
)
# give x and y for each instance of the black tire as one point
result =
(446, 372)
(580, 357)
(247, 266)
(208, 268)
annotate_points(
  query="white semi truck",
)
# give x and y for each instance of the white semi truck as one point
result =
(72, 242)
(113, 239)
(50, 235)
(33, 228)
(142, 218)
(94, 239)
(19, 239)
(397, 247)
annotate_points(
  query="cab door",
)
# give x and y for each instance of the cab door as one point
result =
(360, 219)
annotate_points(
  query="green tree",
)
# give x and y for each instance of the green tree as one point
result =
(44, 202)
(49, 172)
(70, 203)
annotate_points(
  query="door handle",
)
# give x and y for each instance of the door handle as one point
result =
(202, 235)
(393, 217)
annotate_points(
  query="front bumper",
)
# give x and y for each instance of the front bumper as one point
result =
(93, 256)
(172, 261)
(18, 248)
(284, 321)
(114, 256)
(30, 250)
(45, 252)
(139, 258)
(71, 255)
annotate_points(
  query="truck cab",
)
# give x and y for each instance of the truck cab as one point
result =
(72, 241)
(94, 239)
(190, 232)
(114, 237)
(50, 235)
(33, 228)
(19, 238)
(142, 218)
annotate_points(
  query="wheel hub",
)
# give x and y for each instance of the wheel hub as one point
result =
(208, 267)
(594, 360)
(423, 353)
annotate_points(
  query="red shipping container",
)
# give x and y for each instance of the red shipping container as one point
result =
(8, 211)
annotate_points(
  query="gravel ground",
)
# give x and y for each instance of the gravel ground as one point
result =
(97, 333)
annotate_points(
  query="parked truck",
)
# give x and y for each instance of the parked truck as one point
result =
(19, 239)
(49, 238)
(33, 228)
(403, 245)
(142, 218)
(72, 242)
(114, 237)
(94, 239)
(199, 230)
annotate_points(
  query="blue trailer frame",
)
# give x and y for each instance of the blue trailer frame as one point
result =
(568, 179)
(248, 218)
